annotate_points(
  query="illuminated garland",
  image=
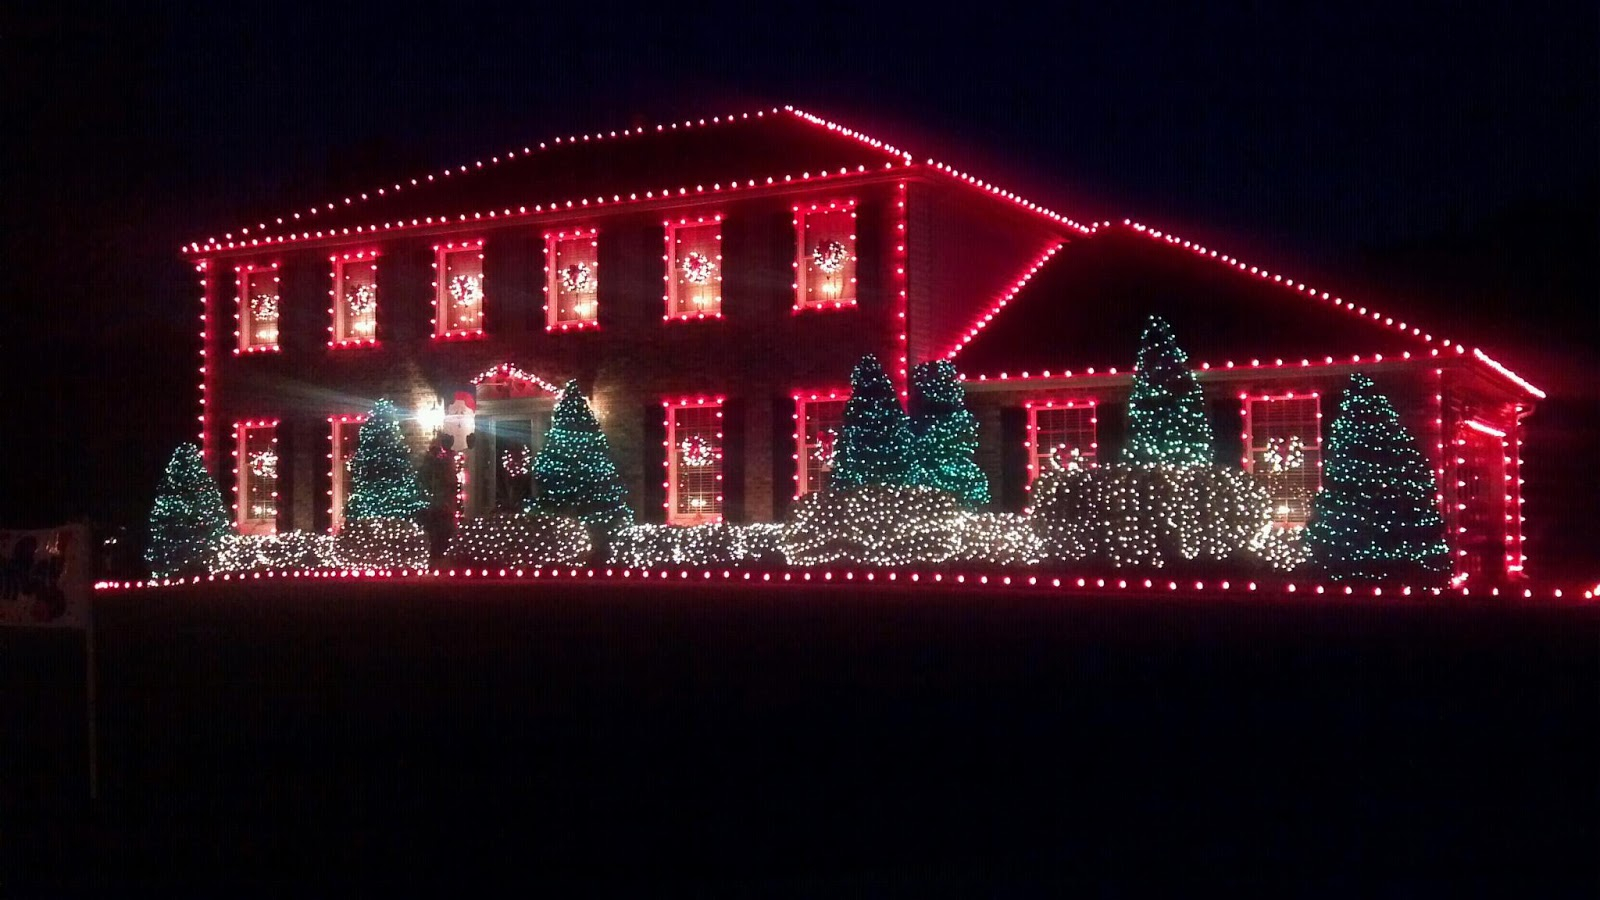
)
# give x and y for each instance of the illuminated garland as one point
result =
(872, 524)
(382, 544)
(276, 552)
(1149, 515)
(362, 300)
(697, 451)
(645, 546)
(577, 279)
(518, 462)
(524, 540)
(264, 307)
(697, 268)
(188, 520)
(264, 464)
(830, 256)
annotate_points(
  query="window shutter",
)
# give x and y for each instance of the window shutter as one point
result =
(285, 433)
(733, 456)
(653, 507)
(1111, 431)
(1012, 489)
(784, 467)
(1227, 431)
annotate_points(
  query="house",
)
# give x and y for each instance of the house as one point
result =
(711, 283)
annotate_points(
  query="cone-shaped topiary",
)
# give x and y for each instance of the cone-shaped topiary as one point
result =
(1166, 412)
(383, 482)
(946, 434)
(1377, 515)
(573, 474)
(875, 444)
(188, 520)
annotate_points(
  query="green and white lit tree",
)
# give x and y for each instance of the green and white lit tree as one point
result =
(188, 520)
(573, 474)
(1167, 411)
(946, 434)
(1377, 515)
(383, 481)
(875, 445)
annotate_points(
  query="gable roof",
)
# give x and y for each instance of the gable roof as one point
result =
(1085, 305)
(772, 147)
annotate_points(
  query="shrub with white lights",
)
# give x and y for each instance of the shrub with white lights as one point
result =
(1284, 549)
(521, 540)
(643, 546)
(945, 434)
(996, 539)
(872, 524)
(276, 552)
(382, 544)
(187, 521)
(1149, 515)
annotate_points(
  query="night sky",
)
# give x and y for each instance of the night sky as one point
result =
(1438, 160)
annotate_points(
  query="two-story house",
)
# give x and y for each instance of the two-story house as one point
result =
(711, 283)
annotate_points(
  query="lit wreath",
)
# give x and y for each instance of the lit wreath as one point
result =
(827, 442)
(264, 464)
(517, 463)
(696, 451)
(830, 256)
(362, 299)
(577, 278)
(1063, 460)
(697, 268)
(1283, 454)
(466, 291)
(264, 306)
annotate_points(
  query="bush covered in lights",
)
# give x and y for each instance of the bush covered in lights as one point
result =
(875, 445)
(187, 521)
(643, 546)
(573, 473)
(532, 539)
(1284, 549)
(1149, 515)
(382, 544)
(945, 434)
(872, 524)
(383, 482)
(1167, 410)
(280, 552)
(1376, 516)
(997, 539)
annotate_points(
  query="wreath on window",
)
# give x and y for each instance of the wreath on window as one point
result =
(362, 299)
(264, 306)
(1065, 459)
(466, 291)
(830, 256)
(577, 278)
(697, 268)
(697, 451)
(1283, 454)
(264, 464)
(517, 462)
(827, 441)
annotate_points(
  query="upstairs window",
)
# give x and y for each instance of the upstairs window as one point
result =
(458, 290)
(825, 259)
(255, 468)
(572, 280)
(259, 305)
(694, 461)
(346, 434)
(355, 300)
(694, 268)
(1283, 448)
(1061, 435)
(818, 420)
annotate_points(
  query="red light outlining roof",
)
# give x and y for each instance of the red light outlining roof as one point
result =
(1004, 298)
(507, 370)
(1511, 376)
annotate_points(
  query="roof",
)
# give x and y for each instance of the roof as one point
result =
(1084, 306)
(707, 157)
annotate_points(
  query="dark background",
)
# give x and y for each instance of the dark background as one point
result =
(1438, 161)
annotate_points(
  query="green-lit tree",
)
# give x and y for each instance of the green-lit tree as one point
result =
(1376, 516)
(946, 434)
(1167, 411)
(383, 482)
(875, 444)
(573, 474)
(188, 520)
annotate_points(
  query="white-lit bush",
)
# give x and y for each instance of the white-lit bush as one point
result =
(996, 539)
(872, 524)
(642, 546)
(1127, 514)
(521, 540)
(382, 544)
(262, 552)
(1284, 549)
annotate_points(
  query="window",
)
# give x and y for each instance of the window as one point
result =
(694, 461)
(255, 468)
(825, 255)
(1061, 435)
(1283, 446)
(458, 290)
(355, 300)
(694, 268)
(818, 418)
(346, 434)
(572, 280)
(259, 305)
